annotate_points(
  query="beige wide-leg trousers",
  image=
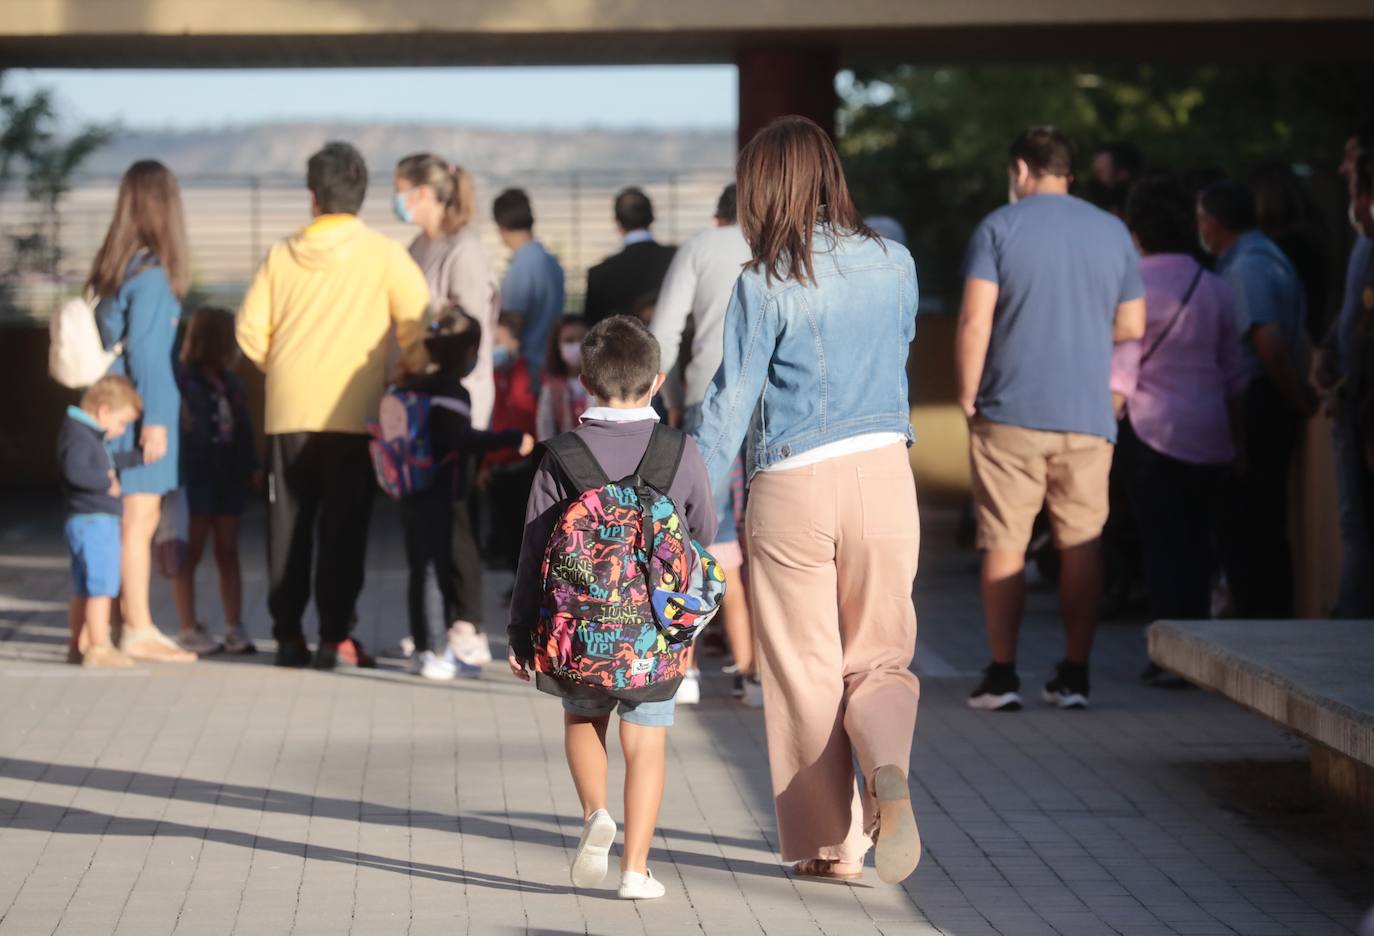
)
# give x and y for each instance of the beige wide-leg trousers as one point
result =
(833, 548)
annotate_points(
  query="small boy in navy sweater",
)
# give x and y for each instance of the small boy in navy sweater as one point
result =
(90, 485)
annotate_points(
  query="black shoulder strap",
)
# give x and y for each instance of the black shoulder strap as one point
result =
(658, 467)
(1178, 314)
(576, 461)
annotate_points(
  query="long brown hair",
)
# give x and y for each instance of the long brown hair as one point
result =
(147, 216)
(790, 180)
(452, 186)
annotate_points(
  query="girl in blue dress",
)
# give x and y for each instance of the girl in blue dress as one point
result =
(139, 275)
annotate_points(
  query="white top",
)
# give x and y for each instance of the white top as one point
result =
(611, 414)
(851, 446)
(699, 284)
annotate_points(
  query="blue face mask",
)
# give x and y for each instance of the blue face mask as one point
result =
(398, 204)
(501, 357)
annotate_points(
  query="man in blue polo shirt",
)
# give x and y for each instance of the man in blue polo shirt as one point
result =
(1271, 318)
(532, 290)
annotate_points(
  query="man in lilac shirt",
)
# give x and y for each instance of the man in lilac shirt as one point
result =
(1182, 385)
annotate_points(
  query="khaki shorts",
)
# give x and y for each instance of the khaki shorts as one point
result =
(1017, 470)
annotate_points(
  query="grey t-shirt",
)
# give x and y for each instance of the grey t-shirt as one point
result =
(1061, 267)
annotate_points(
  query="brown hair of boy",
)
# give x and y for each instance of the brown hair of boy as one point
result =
(620, 359)
(209, 343)
(113, 391)
(790, 180)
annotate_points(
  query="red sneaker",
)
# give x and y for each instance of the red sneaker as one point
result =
(345, 653)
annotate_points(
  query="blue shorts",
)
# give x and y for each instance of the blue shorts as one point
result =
(646, 714)
(93, 543)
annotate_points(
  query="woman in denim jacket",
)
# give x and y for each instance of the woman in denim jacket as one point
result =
(814, 372)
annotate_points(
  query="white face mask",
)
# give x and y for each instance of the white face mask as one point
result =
(1012, 197)
(1353, 217)
(571, 352)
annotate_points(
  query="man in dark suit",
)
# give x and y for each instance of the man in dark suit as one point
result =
(628, 282)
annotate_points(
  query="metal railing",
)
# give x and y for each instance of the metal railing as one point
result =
(232, 220)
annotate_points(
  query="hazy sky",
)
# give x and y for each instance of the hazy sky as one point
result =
(666, 96)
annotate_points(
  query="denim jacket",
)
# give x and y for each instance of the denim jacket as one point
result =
(808, 365)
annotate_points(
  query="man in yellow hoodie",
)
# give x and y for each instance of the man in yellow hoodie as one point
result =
(316, 320)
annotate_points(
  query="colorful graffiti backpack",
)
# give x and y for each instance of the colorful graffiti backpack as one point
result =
(626, 589)
(402, 451)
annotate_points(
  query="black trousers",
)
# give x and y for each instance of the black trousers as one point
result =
(1254, 530)
(322, 483)
(506, 499)
(440, 547)
(1174, 506)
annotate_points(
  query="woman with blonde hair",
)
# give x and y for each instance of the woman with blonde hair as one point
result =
(814, 372)
(439, 199)
(139, 275)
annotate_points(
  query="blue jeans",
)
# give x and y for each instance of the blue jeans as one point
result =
(93, 544)
(1356, 596)
(645, 714)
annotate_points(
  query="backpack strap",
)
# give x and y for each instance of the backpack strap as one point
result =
(576, 461)
(658, 467)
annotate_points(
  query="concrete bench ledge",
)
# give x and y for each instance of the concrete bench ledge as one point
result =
(1315, 678)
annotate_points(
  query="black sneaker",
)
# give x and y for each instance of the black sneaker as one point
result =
(737, 691)
(999, 690)
(1069, 687)
(292, 653)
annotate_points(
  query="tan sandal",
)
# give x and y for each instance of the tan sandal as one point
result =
(825, 869)
(150, 645)
(105, 656)
(896, 840)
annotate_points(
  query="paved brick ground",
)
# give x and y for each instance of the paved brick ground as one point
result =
(230, 797)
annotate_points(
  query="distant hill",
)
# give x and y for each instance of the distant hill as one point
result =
(270, 149)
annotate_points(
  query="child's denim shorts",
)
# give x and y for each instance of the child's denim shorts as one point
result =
(93, 543)
(646, 714)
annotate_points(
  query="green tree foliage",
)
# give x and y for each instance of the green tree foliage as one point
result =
(928, 145)
(32, 147)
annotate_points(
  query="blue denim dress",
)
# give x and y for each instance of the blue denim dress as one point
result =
(144, 315)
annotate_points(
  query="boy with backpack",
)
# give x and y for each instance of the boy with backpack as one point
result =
(610, 589)
(422, 448)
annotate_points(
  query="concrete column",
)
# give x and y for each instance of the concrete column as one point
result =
(785, 79)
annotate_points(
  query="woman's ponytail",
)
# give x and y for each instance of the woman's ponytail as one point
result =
(462, 194)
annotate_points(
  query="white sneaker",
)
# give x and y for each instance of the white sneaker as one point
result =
(753, 692)
(593, 850)
(636, 886)
(469, 646)
(433, 666)
(689, 690)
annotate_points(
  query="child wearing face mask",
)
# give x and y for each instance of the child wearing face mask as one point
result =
(562, 398)
(439, 538)
(506, 476)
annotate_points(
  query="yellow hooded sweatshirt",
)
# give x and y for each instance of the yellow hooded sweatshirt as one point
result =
(316, 320)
